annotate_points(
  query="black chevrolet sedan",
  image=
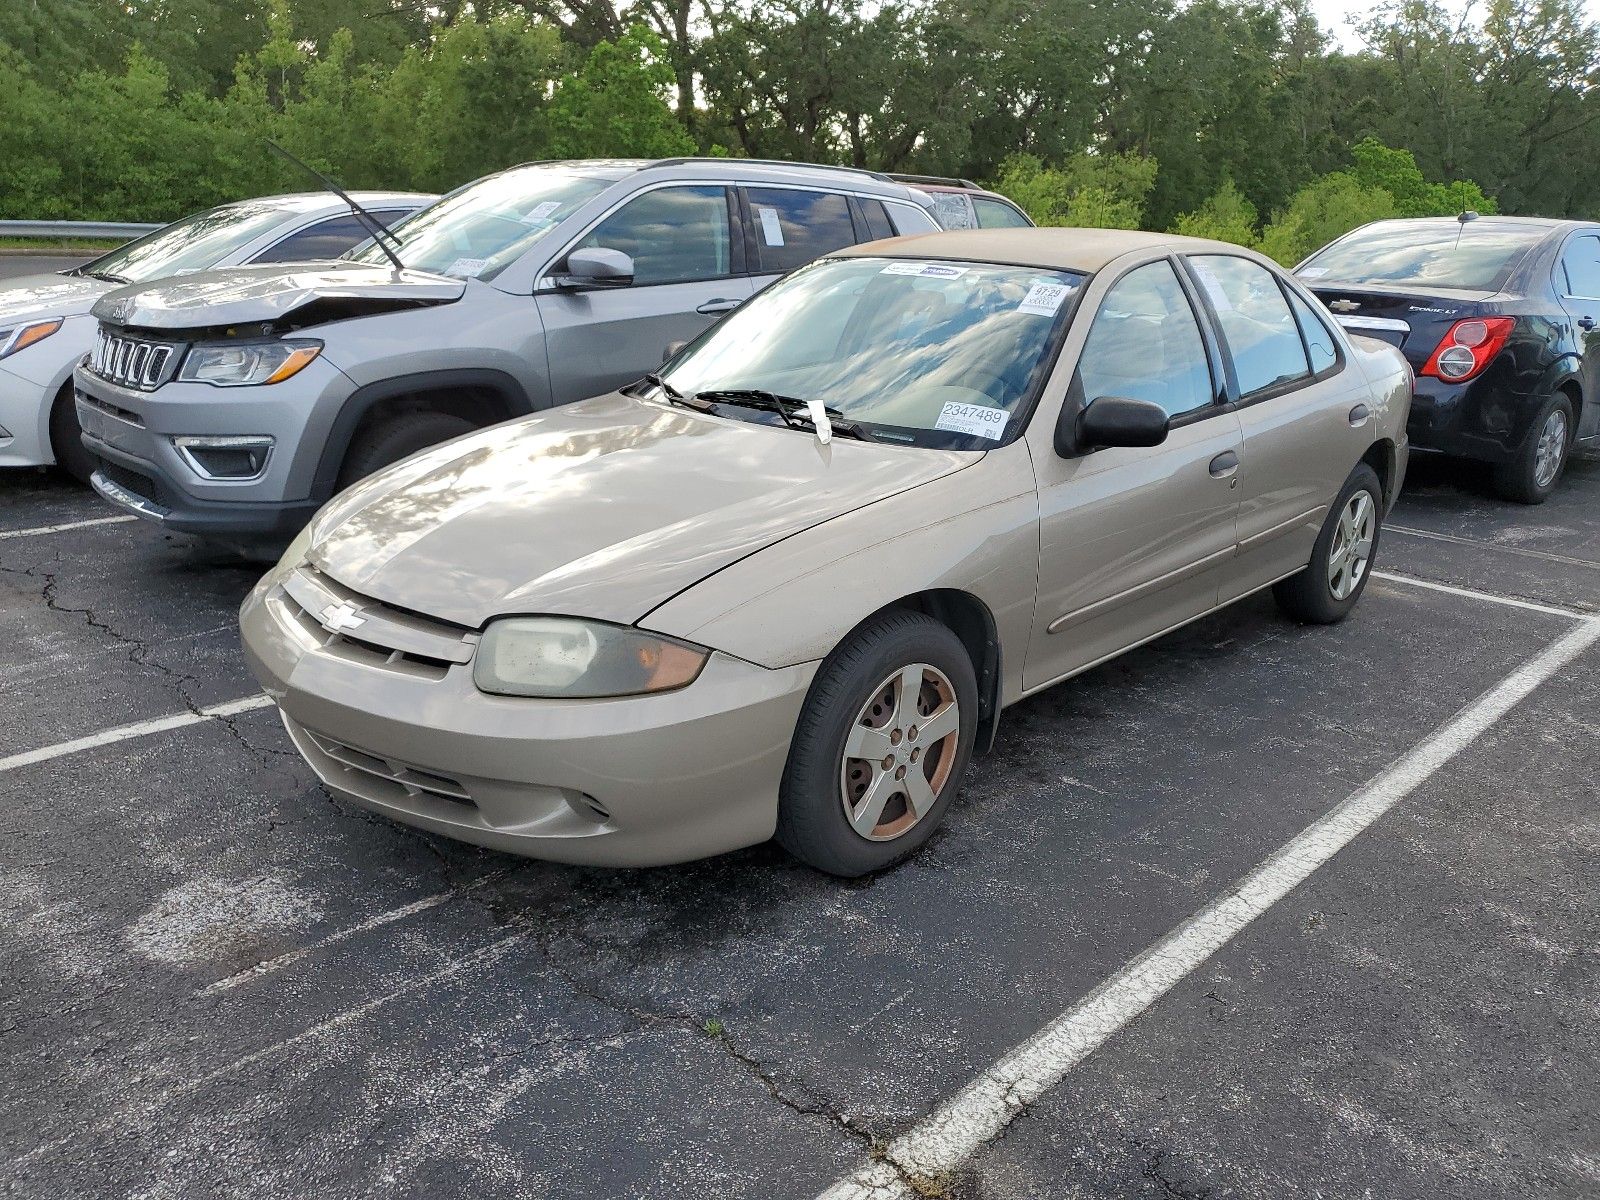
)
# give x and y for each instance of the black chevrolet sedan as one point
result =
(1498, 318)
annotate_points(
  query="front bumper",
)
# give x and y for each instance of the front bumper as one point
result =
(132, 433)
(629, 782)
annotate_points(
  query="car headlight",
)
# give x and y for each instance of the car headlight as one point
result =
(247, 364)
(568, 658)
(20, 337)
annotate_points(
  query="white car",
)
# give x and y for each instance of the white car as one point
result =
(45, 326)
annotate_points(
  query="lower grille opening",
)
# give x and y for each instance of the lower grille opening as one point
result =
(140, 485)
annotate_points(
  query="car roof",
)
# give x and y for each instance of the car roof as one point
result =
(1084, 250)
(310, 202)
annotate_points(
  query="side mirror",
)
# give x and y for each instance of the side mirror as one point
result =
(672, 349)
(1111, 421)
(596, 267)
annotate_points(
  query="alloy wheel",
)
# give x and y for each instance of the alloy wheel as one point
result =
(1352, 545)
(900, 752)
(1552, 449)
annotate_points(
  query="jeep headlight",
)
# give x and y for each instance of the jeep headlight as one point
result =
(562, 657)
(247, 364)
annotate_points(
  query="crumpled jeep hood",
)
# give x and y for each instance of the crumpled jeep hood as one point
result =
(271, 292)
(603, 509)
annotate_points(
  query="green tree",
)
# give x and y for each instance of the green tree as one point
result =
(1320, 212)
(614, 104)
(1088, 190)
(1227, 216)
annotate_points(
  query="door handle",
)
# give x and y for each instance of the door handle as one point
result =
(1224, 464)
(715, 308)
(1359, 414)
(1586, 323)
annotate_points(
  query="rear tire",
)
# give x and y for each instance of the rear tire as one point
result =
(1532, 475)
(66, 437)
(390, 439)
(851, 802)
(1341, 561)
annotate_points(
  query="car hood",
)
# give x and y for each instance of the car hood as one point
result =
(272, 292)
(602, 509)
(33, 297)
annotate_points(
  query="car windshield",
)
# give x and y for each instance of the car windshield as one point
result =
(938, 354)
(195, 243)
(1475, 257)
(476, 232)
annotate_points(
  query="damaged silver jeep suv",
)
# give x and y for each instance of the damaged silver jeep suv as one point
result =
(232, 404)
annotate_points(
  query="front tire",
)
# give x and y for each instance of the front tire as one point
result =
(881, 746)
(390, 439)
(1532, 475)
(66, 437)
(1341, 561)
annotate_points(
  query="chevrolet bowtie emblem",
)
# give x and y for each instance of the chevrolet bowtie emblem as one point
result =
(338, 618)
(1344, 306)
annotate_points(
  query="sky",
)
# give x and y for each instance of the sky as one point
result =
(1335, 17)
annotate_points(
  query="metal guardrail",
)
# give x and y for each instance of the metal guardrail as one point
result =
(97, 230)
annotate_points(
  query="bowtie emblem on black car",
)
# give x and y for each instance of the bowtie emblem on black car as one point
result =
(1344, 306)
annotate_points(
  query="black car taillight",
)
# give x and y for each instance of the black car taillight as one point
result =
(1468, 347)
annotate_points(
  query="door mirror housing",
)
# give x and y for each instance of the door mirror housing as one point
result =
(596, 267)
(1111, 421)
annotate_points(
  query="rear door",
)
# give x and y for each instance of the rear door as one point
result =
(1303, 412)
(1578, 278)
(688, 260)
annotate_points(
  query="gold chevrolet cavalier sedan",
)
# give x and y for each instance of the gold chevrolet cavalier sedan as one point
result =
(786, 586)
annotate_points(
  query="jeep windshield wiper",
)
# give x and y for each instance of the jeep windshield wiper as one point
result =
(382, 235)
(792, 409)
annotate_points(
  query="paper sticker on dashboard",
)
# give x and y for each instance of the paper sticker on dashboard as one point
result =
(1312, 273)
(542, 210)
(927, 270)
(771, 229)
(1044, 299)
(466, 268)
(979, 420)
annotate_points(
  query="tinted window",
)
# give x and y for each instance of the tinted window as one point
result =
(325, 239)
(672, 234)
(1145, 343)
(996, 214)
(877, 220)
(1478, 256)
(1582, 265)
(1261, 333)
(1319, 341)
(794, 227)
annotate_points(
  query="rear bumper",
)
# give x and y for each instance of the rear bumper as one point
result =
(1480, 420)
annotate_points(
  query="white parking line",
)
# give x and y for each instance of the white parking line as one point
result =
(1483, 544)
(377, 922)
(1488, 597)
(123, 733)
(40, 529)
(953, 1133)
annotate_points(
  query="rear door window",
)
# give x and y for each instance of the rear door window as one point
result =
(1261, 332)
(877, 219)
(673, 234)
(1581, 263)
(792, 227)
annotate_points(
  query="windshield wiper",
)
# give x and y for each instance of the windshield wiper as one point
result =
(674, 395)
(105, 275)
(379, 231)
(791, 409)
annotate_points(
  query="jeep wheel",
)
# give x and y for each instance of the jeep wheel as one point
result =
(390, 439)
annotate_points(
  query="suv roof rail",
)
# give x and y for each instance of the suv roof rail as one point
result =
(770, 162)
(941, 180)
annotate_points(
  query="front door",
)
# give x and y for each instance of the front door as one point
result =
(1133, 542)
(688, 272)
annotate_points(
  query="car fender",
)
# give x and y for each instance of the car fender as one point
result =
(974, 531)
(49, 366)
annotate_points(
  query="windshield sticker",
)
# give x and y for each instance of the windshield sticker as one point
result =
(1044, 299)
(977, 419)
(543, 212)
(926, 270)
(771, 230)
(466, 268)
(1213, 286)
(1312, 272)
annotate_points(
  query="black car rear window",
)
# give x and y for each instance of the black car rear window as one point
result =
(1477, 257)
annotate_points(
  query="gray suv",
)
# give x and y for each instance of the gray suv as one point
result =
(232, 404)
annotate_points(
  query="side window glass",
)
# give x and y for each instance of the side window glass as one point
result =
(877, 219)
(1319, 341)
(1582, 263)
(1145, 344)
(325, 239)
(953, 210)
(673, 235)
(1261, 332)
(794, 227)
(992, 214)
(908, 218)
